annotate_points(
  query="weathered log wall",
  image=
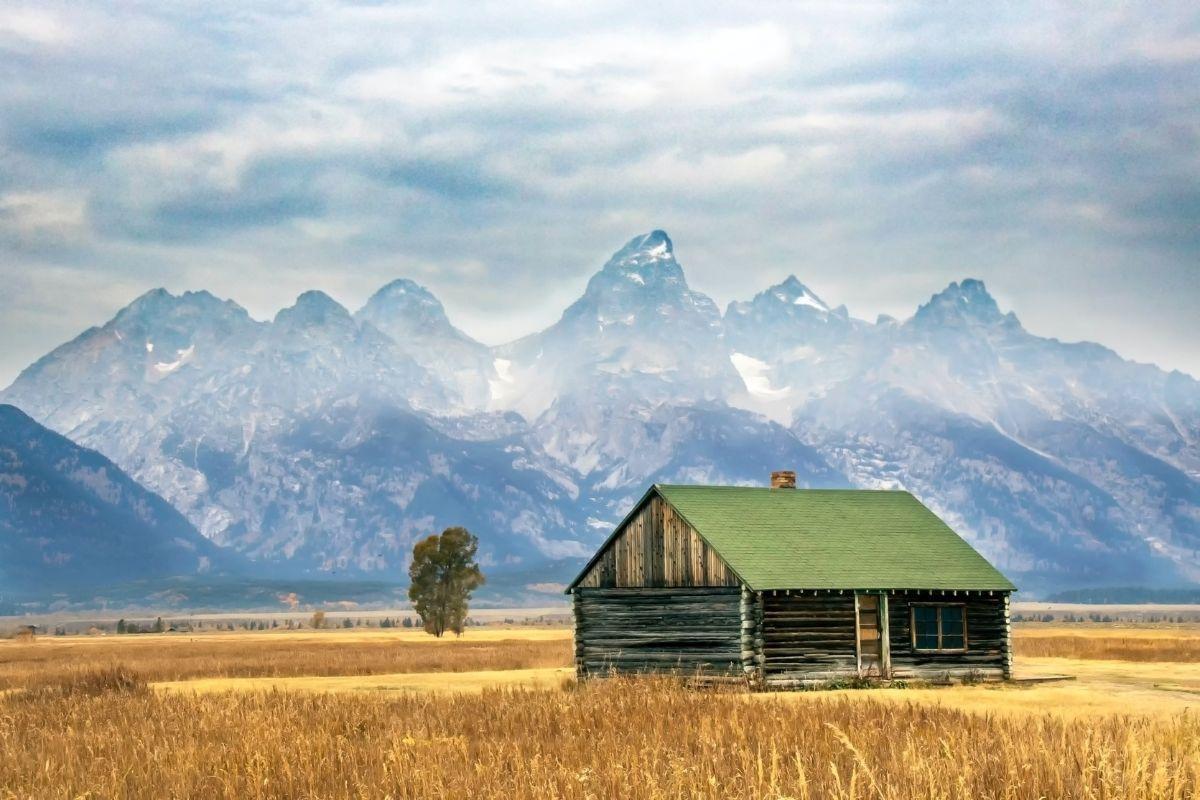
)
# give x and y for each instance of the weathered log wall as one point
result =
(987, 656)
(807, 638)
(657, 548)
(684, 630)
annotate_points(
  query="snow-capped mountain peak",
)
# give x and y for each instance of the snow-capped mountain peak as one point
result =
(638, 327)
(963, 303)
(796, 293)
(789, 299)
(641, 284)
(653, 246)
(146, 342)
(646, 262)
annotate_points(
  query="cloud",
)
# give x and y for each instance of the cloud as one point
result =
(1170, 50)
(634, 68)
(29, 217)
(259, 149)
(547, 588)
(34, 26)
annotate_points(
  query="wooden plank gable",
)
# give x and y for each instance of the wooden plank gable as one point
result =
(656, 548)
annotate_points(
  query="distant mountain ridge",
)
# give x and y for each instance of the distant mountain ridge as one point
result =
(327, 441)
(70, 519)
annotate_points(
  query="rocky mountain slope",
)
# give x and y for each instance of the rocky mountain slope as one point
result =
(326, 441)
(70, 519)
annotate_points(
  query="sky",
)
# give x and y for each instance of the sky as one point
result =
(499, 152)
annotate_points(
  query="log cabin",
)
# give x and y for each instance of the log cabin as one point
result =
(784, 587)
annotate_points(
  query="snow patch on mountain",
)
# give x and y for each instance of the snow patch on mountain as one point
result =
(754, 374)
(181, 357)
(499, 387)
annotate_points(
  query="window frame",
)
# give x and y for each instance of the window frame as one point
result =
(912, 628)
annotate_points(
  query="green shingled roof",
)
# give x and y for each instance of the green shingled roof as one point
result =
(832, 539)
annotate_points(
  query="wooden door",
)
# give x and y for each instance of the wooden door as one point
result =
(873, 655)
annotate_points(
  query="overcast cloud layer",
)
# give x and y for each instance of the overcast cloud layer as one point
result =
(499, 154)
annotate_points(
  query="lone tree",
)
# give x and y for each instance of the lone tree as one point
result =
(443, 574)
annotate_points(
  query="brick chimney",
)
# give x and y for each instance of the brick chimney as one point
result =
(783, 479)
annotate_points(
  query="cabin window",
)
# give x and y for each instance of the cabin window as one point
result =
(939, 627)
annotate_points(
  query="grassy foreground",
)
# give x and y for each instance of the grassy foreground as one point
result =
(633, 739)
(386, 713)
(176, 657)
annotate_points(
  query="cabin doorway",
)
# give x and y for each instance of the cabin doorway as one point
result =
(873, 651)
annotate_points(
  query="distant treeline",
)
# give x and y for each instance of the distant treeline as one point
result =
(1128, 594)
(1136, 616)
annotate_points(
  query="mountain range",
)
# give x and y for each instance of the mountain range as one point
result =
(326, 441)
(71, 520)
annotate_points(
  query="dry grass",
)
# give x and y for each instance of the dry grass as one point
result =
(178, 657)
(181, 657)
(438, 682)
(381, 717)
(628, 739)
(86, 682)
(1109, 644)
(1101, 688)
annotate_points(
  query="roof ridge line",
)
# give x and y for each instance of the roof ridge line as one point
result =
(773, 489)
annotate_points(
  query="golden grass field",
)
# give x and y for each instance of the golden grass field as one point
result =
(369, 651)
(392, 713)
(1126, 643)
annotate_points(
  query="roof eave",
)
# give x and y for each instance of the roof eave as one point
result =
(854, 588)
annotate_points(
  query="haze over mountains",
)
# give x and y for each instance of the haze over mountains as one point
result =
(71, 520)
(328, 441)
